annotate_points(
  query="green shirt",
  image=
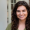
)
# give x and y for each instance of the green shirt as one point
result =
(9, 27)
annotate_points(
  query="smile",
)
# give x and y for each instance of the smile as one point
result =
(21, 16)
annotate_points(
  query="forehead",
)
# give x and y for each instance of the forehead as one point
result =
(21, 8)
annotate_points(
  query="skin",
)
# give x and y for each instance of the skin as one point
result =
(21, 12)
(22, 15)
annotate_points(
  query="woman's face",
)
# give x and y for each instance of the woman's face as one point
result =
(21, 12)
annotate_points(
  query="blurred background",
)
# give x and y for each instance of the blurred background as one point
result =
(6, 7)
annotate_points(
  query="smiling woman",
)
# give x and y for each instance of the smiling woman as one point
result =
(20, 17)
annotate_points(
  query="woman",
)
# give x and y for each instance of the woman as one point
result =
(20, 17)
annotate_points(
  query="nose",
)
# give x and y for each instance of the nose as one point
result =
(21, 13)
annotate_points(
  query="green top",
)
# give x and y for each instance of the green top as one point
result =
(9, 27)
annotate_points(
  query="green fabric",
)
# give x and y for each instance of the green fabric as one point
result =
(9, 27)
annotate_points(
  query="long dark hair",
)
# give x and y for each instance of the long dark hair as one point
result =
(15, 20)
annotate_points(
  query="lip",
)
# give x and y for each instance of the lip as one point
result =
(21, 16)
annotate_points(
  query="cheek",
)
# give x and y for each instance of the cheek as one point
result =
(26, 14)
(17, 14)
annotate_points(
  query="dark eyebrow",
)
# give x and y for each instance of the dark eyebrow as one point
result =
(18, 10)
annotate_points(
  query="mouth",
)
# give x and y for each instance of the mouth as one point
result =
(21, 16)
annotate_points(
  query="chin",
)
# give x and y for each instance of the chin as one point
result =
(21, 19)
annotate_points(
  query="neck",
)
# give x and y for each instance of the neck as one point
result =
(22, 21)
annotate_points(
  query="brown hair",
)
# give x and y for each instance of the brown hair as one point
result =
(15, 20)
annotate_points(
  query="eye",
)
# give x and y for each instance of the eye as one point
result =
(23, 10)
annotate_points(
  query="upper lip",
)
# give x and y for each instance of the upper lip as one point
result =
(20, 16)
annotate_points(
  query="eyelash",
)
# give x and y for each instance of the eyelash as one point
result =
(19, 11)
(23, 11)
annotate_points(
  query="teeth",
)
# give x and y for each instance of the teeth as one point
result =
(21, 16)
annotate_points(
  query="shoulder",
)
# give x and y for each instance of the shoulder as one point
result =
(8, 27)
